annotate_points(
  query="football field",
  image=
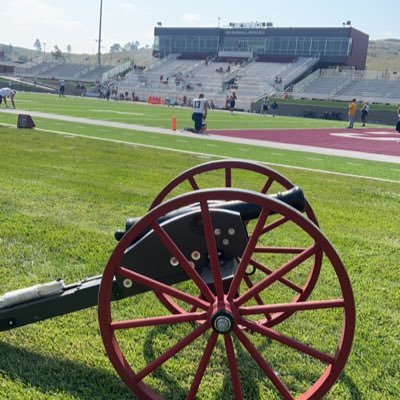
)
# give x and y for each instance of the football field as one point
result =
(89, 164)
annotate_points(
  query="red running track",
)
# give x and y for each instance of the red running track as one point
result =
(367, 140)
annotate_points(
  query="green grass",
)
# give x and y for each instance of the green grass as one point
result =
(160, 116)
(62, 197)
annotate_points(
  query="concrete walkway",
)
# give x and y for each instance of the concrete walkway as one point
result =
(254, 142)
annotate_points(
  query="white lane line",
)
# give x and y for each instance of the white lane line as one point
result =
(255, 142)
(209, 155)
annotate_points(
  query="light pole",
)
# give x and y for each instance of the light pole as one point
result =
(99, 41)
(218, 35)
(44, 51)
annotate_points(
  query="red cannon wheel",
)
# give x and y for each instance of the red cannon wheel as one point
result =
(246, 175)
(230, 173)
(204, 352)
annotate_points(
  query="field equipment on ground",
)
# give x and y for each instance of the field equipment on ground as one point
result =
(245, 283)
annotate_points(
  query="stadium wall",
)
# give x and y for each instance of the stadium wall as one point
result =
(358, 55)
(339, 112)
(345, 45)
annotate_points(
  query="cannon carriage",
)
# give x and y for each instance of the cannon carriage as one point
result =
(237, 278)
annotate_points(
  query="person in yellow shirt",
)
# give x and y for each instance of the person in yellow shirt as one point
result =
(351, 111)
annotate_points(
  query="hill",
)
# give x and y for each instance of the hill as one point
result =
(22, 55)
(382, 55)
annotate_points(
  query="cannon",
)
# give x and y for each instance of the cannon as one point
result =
(235, 274)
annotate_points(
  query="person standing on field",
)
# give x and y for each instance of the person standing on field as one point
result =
(351, 112)
(274, 107)
(232, 102)
(364, 113)
(62, 88)
(398, 121)
(264, 106)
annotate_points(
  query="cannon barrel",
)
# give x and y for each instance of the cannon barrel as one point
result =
(40, 302)
(293, 197)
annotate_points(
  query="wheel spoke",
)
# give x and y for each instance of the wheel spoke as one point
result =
(257, 298)
(193, 183)
(285, 281)
(161, 287)
(301, 347)
(263, 364)
(251, 244)
(228, 177)
(279, 250)
(162, 320)
(267, 185)
(202, 366)
(295, 306)
(230, 354)
(177, 309)
(274, 225)
(277, 274)
(212, 249)
(172, 351)
(183, 261)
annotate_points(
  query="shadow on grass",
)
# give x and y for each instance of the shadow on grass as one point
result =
(174, 389)
(354, 393)
(247, 368)
(49, 374)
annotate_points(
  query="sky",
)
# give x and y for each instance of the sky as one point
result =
(76, 22)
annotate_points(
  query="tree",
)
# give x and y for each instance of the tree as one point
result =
(69, 48)
(115, 48)
(131, 46)
(56, 53)
(22, 58)
(37, 45)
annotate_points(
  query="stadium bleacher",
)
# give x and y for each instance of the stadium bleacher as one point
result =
(184, 77)
(66, 71)
(337, 84)
(326, 85)
(217, 78)
(372, 88)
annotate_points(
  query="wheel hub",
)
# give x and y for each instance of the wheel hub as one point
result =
(222, 322)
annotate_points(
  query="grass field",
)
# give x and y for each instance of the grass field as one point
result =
(63, 196)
